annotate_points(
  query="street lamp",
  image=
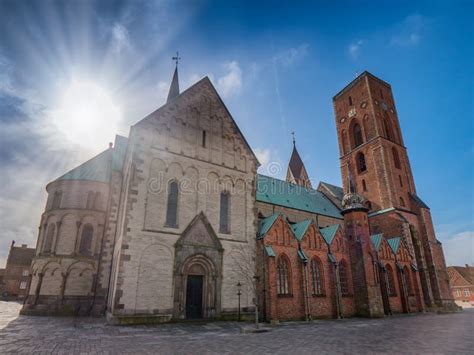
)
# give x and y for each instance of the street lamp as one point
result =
(239, 293)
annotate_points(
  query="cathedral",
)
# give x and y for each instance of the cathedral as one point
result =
(173, 222)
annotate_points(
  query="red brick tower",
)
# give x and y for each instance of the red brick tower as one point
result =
(367, 294)
(371, 144)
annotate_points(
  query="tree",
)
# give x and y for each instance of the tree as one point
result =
(244, 261)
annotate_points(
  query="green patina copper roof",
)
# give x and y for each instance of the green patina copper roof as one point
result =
(376, 213)
(269, 250)
(299, 229)
(265, 224)
(119, 151)
(337, 191)
(282, 193)
(328, 233)
(377, 240)
(95, 169)
(302, 255)
(394, 244)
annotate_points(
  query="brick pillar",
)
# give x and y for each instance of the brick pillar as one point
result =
(367, 294)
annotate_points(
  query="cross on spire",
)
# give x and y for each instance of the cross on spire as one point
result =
(177, 58)
(294, 140)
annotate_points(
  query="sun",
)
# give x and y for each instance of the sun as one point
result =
(87, 115)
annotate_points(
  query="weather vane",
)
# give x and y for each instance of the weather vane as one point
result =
(177, 58)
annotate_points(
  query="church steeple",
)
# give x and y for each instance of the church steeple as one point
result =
(174, 88)
(297, 173)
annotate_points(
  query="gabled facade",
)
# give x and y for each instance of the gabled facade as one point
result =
(169, 222)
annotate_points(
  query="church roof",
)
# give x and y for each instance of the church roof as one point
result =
(394, 244)
(174, 88)
(95, 169)
(282, 193)
(299, 229)
(99, 167)
(266, 223)
(419, 201)
(296, 164)
(329, 233)
(377, 240)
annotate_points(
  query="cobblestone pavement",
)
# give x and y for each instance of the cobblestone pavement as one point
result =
(405, 334)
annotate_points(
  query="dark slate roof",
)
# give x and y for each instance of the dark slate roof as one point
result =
(377, 240)
(329, 233)
(296, 164)
(282, 193)
(419, 201)
(21, 256)
(174, 87)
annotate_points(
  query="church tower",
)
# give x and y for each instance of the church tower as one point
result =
(372, 151)
(296, 173)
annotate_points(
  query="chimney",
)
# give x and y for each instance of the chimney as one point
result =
(111, 145)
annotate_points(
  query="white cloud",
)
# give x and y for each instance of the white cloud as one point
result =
(355, 49)
(120, 38)
(270, 164)
(459, 249)
(291, 56)
(409, 32)
(230, 83)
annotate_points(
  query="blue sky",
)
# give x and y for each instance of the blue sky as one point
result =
(277, 66)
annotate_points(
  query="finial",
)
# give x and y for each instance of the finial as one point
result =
(177, 58)
(294, 140)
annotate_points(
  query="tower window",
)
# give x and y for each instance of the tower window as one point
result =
(357, 135)
(368, 204)
(402, 202)
(224, 213)
(387, 127)
(361, 165)
(172, 208)
(85, 247)
(401, 181)
(381, 94)
(48, 243)
(204, 139)
(350, 101)
(396, 158)
(57, 199)
(364, 186)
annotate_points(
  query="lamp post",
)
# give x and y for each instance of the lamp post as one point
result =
(239, 293)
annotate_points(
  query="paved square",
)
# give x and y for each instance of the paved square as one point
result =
(406, 334)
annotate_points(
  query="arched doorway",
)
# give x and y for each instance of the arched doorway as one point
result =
(198, 272)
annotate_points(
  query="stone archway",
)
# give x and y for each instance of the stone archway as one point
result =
(198, 272)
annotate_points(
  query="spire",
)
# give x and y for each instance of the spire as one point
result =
(296, 173)
(174, 88)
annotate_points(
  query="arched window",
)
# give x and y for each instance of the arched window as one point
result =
(368, 204)
(90, 200)
(85, 247)
(406, 275)
(283, 283)
(224, 213)
(172, 206)
(57, 199)
(361, 165)
(390, 281)
(396, 158)
(400, 179)
(317, 277)
(343, 281)
(357, 135)
(48, 242)
(364, 186)
(402, 202)
(387, 127)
